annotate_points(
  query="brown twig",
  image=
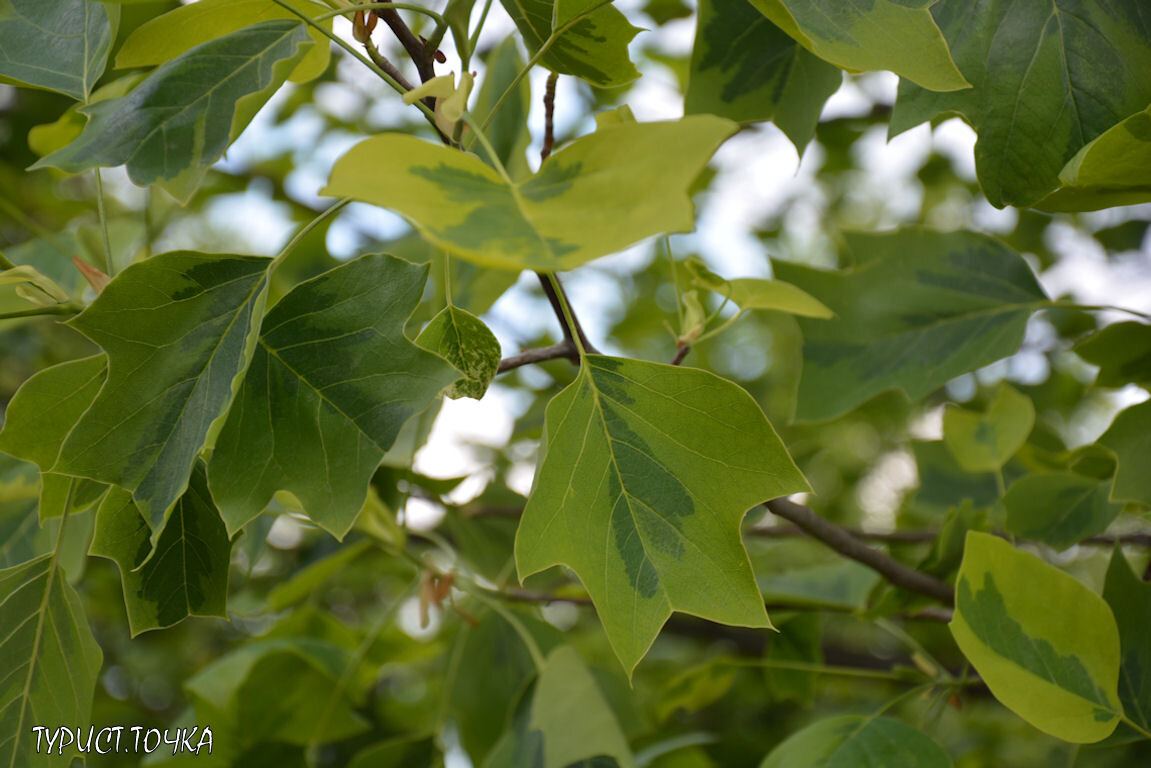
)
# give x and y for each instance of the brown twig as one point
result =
(843, 542)
(421, 57)
(383, 63)
(565, 349)
(549, 117)
(681, 351)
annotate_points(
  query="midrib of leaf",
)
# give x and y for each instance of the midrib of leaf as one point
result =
(942, 321)
(162, 126)
(42, 614)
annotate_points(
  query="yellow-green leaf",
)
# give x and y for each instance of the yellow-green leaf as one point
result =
(984, 441)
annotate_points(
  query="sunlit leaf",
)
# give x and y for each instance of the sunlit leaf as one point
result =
(1059, 508)
(175, 32)
(855, 740)
(750, 293)
(1048, 78)
(181, 117)
(332, 381)
(187, 575)
(1130, 601)
(952, 302)
(591, 41)
(50, 660)
(61, 45)
(463, 340)
(647, 472)
(1045, 645)
(1129, 438)
(880, 34)
(984, 441)
(746, 69)
(598, 195)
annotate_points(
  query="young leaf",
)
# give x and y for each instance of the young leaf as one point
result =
(1046, 646)
(181, 117)
(648, 471)
(1123, 353)
(570, 710)
(61, 45)
(600, 194)
(332, 381)
(881, 34)
(1129, 438)
(750, 293)
(1111, 170)
(952, 302)
(50, 659)
(463, 340)
(172, 34)
(178, 331)
(584, 38)
(1061, 75)
(854, 740)
(984, 441)
(187, 576)
(1059, 508)
(1130, 601)
(766, 75)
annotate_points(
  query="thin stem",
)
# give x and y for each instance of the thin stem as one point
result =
(383, 63)
(526, 638)
(475, 38)
(1099, 308)
(447, 278)
(565, 349)
(914, 645)
(368, 6)
(1000, 483)
(1135, 726)
(488, 148)
(568, 315)
(549, 117)
(675, 282)
(423, 60)
(305, 230)
(804, 666)
(722, 327)
(54, 309)
(109, 267)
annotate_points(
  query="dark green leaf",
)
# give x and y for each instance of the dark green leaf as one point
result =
(1123, 353)
(463, 340)
(943, 484)
(1129, 438)
(332, 381)
(1059, 508)
(187, 575)
(746, 69)
(61, 45)
(799, 640)
(182, 116)
(849, 741)
(952, 303)
(1130, 601)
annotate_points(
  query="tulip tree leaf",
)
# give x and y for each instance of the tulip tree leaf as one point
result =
(647, 472)
(178, 330)
(590, 38)
(571, 713)
(855, 740)
(879, 34)
(600, 194)
(170, 35)
(61, 45)
(1057, 669)
(746, 69)
(1129, 438)
(984, 441)
(1123, 353)
(1130, 601)
(50, 659)
(1059, 508)
(1112, 170)
(187, 575)
(953, 302)
(508, 131)
(750, 293)
(332, 381)
(463, 340)
(181, 118)
(1048, 78)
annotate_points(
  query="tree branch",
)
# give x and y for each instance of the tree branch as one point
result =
(421, 57)
(565, 349)
(843, 542)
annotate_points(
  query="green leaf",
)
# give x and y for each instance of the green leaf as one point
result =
(182, 117)
(177, 31)
(332, 381)
(403, 752)
(1123, 353)
(1130, 601)
(187, 575)
(799, 639)
(570, 710)
(843, 584)
(695, 688)
(880, 34)
(745, 68)
(305, 581)
(631, 181)
(50, 660)
(178, 331)
(943, 484)
(750, 293)
(1059, 508)
(1111, 170)
(588, 38)
(61, 45)
(24, 536)
(463, 340)
(508, 131)
(1046, 646)
(984, 441)
(1065, 72)
(848, 741)
(648, 470)
(952, 302)
(1129, 438)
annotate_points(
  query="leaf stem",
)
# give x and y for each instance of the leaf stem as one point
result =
(805, 666)
(305, 230)
(54, 309)
(101, 212)
(1099, 308)
(488, 148)
(529, 642)
(568, 316)
(475, 38)
(1134, 726)
(675, 281)
(368, 6)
